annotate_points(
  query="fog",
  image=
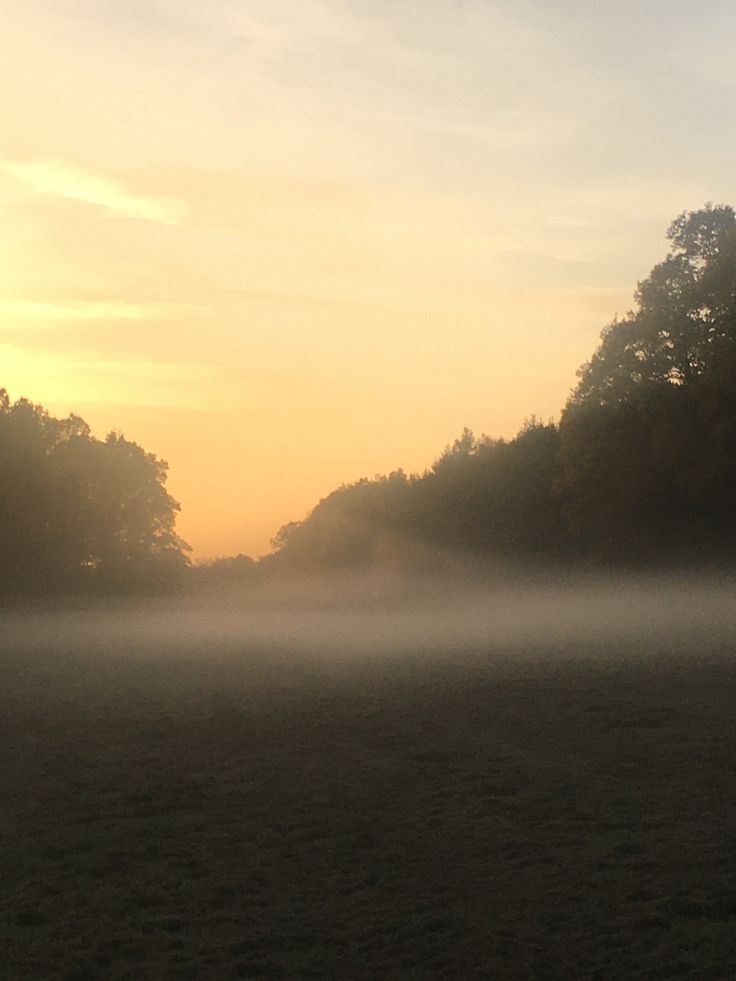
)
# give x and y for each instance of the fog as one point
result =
(354, 619)
(425, 779)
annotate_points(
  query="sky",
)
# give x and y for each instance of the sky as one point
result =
(285, 244)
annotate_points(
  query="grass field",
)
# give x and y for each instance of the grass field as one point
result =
(232, 808)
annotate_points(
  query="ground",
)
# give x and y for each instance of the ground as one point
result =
(562, 812)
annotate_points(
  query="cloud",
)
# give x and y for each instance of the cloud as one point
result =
(68, 181)
(97, 310)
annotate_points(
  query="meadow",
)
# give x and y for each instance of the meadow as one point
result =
(530, 785)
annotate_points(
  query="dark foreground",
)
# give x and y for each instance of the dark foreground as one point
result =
(224, 814)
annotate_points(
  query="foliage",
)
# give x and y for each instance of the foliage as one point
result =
(78, 512)
(642, 464)
(481, 496)
(648, 438)
(685, 322)
(233, 570)
(354, 526)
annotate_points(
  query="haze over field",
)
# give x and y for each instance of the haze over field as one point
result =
(530, 782)
(351, 619)
(436, 301)
(290, 244)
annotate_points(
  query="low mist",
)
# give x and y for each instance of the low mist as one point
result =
(373, 773)
(355, 618)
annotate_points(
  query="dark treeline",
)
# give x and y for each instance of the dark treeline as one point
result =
(481, 497)
(79, 513)
(641, 467)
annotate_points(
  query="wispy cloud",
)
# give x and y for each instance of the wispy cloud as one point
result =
(97, 310)
(68, 181)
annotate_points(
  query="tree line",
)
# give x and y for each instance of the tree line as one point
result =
(78, 513)
(640, 467)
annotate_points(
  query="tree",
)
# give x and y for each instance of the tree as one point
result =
(648, 438)
(495, 497)
(232, 571)
(685, 321)
(75, 510)
(481, 498)
(356, 525)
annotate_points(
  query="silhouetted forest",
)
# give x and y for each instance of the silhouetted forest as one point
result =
(641, 466)
(79, 513)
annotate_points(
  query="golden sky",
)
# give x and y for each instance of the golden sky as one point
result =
(284, 244)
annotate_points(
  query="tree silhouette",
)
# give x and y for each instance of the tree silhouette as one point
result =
(481, 497)
(648, 438)
(685, 321)
(76, 511)
(642, 465)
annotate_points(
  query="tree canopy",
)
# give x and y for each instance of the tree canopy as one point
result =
(481, 497)
(684, 324)
(79, 512)
(648, 438)
(642, 463)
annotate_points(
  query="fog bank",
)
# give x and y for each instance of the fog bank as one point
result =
(437, 617)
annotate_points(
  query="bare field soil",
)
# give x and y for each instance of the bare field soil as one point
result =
(235, 812)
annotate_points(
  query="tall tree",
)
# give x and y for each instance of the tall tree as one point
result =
(685, 320)
(648, 438)
(76, 510)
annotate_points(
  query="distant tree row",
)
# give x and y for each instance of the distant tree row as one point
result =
(79, 513)
(641, 466)
(481, 496)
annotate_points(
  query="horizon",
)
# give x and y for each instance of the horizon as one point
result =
(365, 231)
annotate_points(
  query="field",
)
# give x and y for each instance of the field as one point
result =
(240, 805)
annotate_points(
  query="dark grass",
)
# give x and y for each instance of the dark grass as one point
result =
(218, 815)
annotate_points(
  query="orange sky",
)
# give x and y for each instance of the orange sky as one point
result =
(285, 245)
